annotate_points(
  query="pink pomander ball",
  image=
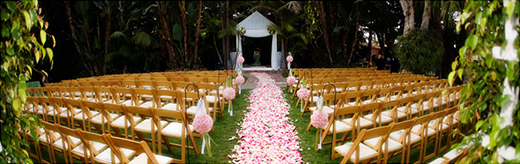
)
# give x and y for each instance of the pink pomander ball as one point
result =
(202, 123)
(240, 60)
(289, 59)
(291, 80)
(229, 93)
(240, 80)
(319, 119)
(303, 93)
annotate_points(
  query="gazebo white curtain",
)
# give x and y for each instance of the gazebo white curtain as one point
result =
(256, 27)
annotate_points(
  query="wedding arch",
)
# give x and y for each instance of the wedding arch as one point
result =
(256, 26)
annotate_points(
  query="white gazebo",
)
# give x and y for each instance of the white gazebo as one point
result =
(256, 27)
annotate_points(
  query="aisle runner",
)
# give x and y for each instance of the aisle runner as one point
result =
(266, 135)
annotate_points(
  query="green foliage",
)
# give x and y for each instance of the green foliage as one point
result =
(419, 51)
(485, 74)
(23, 45)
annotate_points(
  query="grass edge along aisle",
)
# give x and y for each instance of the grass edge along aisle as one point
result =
(266, 134)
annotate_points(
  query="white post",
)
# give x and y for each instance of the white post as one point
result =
(274, 49)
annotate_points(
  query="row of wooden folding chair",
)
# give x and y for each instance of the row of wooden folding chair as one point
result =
(359, 96)
(139, 119)
(383, 142)
(88, 147)
(160, 98)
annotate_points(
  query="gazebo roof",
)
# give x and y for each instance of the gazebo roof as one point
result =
(255, 25)
(255, 21)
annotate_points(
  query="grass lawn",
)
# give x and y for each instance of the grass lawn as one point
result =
(226, 127)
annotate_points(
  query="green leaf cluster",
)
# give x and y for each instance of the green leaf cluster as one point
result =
(419, 51)
(23, 45)
(482, 97)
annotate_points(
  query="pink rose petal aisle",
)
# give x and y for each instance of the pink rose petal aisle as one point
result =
(266, 136)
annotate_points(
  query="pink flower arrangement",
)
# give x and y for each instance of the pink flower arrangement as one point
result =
(240, 60)
(240, 80)
(303, 93)
(289, 58)
(266, 134)
(229, 93)
(319, 119)
(291, 80)
(202, 123)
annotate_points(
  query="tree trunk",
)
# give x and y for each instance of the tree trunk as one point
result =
(197, 29)
(182, 6)
(408, 12)
(163, 20)
(426, 15)
(381, 39)
(325, 33)
(73, 33)
(354, 41)
(369, 53)
(227, 52)
(107, 36)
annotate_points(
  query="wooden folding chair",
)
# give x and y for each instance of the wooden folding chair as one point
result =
(81, 118)
(377, 117)
(401, 133)
(104, 119)
(123, 95)
(72, 141)
(52, 139)
(147, 124)
(177, 127)
(95, 147)
(417, 137)
(142, 153)
(104, 94)
(143, 97)
(446, 128)
(357, 151)
(344, 121)
(62, 112)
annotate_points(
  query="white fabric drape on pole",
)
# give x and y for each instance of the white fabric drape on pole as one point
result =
(256, 26)
(274, 50)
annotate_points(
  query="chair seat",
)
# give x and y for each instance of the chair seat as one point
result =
(432, 122)
(43, 137)
(166, 97)
(430, 131)
(98, 146)
(174, 130)
(211, 99)
(99, 119)
(147, 104)
(143, 158)
(389, 113)
(451, 154)
(74, 140)
(193, 110)
(392, 144)
(67, 112)
(365, 152)
(146, 125)
(439, 160)
(379, 119)
(170, 106)
(106, 155)
(362, 122)
(83, 116)
(127, 103)
(120, 122)
(398, 134)
(325, 109)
